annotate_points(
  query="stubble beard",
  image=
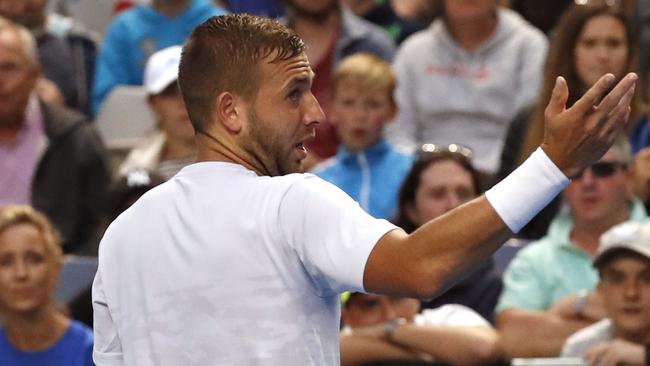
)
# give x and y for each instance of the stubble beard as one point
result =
(267, 147)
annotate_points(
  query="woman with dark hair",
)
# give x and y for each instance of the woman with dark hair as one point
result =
(35, 331)
(590, 41)
(441, 179)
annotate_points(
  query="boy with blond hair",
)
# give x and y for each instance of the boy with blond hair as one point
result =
(366, 166)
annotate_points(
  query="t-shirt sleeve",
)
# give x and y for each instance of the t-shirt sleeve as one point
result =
(331, 233)
(523, 287)
(107, 349)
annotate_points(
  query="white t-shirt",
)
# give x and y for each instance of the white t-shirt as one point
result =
(451, 315)
(583, 340)
(220, 267)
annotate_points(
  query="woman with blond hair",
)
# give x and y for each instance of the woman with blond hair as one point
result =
(35, 332)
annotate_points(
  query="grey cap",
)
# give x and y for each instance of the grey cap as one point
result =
(630, 235)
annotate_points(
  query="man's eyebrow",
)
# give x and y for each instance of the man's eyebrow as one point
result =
(299, 81)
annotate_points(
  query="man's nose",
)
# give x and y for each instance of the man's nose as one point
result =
(313, 113)
(632, 289)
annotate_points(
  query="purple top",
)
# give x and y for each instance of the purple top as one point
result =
(18, 158)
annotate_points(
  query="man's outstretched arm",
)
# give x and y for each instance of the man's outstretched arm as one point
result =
(417, 265)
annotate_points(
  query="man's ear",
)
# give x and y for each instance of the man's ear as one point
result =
(230, 111)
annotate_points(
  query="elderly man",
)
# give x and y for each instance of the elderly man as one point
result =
(238, 260)
(623, 264)
(50, 156)
(538, 307)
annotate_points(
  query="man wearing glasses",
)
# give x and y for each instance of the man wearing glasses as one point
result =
(547, 287)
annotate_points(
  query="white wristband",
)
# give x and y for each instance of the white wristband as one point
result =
(527, 190)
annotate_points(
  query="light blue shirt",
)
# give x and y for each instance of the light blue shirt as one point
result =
(135, 35)
(551, 268)
(371, 177)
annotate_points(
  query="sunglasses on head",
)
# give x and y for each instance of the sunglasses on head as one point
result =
(464, 151)
(603, 169)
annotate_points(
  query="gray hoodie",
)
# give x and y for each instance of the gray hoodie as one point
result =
(448, 95)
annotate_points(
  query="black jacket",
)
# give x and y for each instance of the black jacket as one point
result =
(71, 178)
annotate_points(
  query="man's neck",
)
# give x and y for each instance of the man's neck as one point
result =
(586, 235)
(471, 34)
(209, 147)
(10, 127)
(171, 8)
(36, 331)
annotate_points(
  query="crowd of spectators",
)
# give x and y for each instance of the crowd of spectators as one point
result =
(427, 103)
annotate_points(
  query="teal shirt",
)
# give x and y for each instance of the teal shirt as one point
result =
(551, 268)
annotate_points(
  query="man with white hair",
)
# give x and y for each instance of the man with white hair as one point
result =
(50, 157)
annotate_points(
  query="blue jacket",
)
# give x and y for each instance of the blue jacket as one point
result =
(137, 33)
(372, 177)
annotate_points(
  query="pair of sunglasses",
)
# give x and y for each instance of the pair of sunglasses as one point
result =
(452, 148)
(603, 169)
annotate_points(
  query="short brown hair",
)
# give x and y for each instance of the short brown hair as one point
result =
(222, 55)
(368, 70)
(13, 215)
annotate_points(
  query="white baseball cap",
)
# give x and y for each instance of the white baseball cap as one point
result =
(162, 69)
(630, 235)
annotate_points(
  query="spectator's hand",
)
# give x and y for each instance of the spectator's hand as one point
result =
(642, 174)
(616, 352)
(49, 92)
(373, 331)
(568, 308)
(577, 137)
